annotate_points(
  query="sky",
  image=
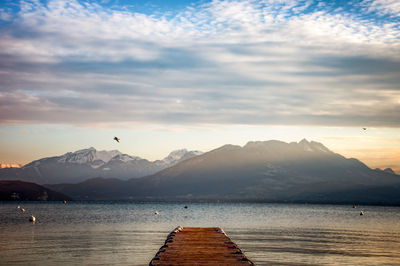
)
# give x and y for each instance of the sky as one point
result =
(165, 75)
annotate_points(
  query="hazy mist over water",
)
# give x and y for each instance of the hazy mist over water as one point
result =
(122, 233)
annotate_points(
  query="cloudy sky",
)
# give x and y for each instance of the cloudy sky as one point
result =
(164, 75)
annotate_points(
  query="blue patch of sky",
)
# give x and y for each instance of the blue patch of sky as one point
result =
(8, 9)
(156, 8)
(10, 5)
(356, 9)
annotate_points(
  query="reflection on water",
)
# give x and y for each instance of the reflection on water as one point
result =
(319, 247)
(130, 234)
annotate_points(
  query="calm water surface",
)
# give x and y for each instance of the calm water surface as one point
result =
(118, 233)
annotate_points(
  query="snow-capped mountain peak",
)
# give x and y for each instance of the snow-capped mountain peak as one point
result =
(313, 146)
(177, 156)
(10, 165)
(306, 145)
(124, 158)
(86, 156)
(106, 156)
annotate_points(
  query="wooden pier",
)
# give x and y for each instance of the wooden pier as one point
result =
(199, 246)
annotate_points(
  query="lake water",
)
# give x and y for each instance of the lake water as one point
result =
(105, 233)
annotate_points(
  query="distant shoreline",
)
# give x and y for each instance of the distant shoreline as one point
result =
(209, 201)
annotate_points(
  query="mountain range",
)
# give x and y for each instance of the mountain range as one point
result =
(74, 167)
(269, 171)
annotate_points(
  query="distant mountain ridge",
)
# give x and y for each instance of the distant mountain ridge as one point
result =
(16, 190)
(74, 167)
(386, 170)
(271, 171)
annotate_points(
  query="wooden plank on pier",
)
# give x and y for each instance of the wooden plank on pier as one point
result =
(199, 246)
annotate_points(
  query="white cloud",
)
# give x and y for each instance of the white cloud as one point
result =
(5, 14)
(255, 62)
(383, 7)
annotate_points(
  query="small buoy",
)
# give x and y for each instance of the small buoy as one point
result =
(156, 213)
(32, 219)
(362, 213)
(22, 210)
(185, 207)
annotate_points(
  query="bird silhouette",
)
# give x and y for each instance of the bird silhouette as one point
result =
(116, 139)
(364, 128)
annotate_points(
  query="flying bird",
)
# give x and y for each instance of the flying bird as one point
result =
(364, 128)
(116, 139)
